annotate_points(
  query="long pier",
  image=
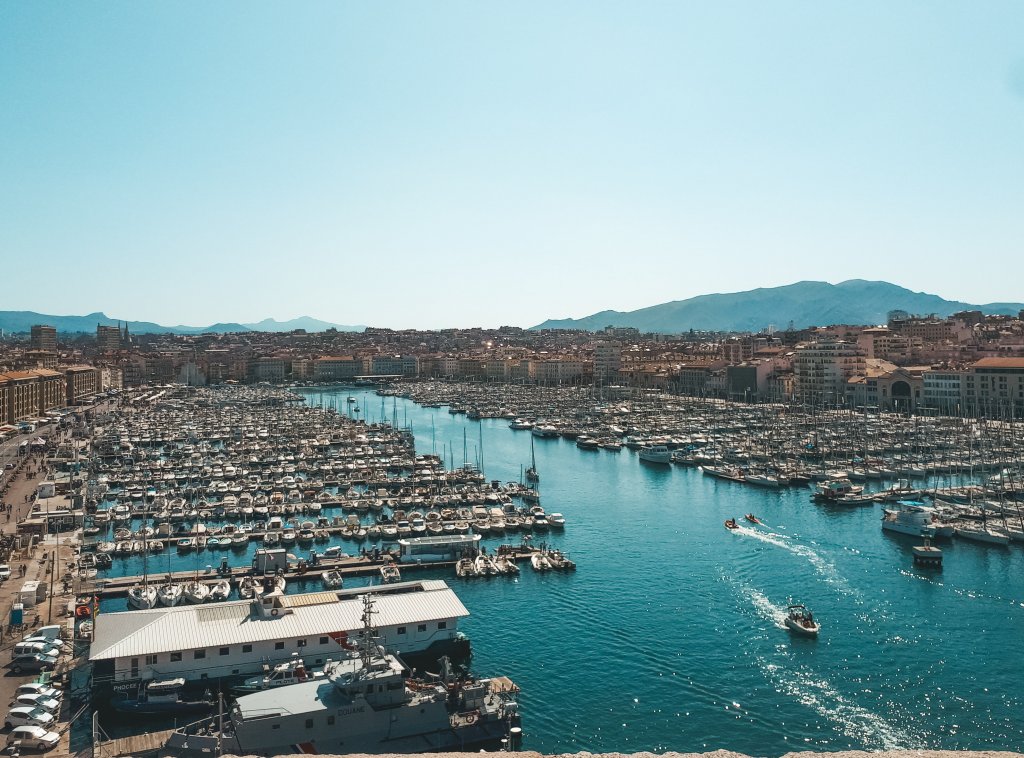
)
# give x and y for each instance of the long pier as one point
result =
(354, 566)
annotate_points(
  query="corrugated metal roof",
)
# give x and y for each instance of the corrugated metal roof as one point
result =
(162, 630)
(309, 598)
(214, 613)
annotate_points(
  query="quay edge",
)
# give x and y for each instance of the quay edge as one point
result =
(712, 754)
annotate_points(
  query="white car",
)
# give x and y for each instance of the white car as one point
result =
(50, 632)
(48, 704)
(35, 737)
(24, 715)
(5, 572)
(35, 688)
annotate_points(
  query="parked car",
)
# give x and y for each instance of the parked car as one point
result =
(24, 715)
(33, 646)
(49, 632)
(35, 688)
(35, 662)
(33, 737)
(48, 704)
(5, 572)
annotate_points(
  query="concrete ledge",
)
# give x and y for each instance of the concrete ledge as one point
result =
(715, 754)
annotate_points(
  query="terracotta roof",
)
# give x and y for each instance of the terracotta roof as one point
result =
(1000, 363)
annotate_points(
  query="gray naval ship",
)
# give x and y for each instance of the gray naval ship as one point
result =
(366, 703)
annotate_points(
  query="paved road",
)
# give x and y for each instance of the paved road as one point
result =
(37, 564)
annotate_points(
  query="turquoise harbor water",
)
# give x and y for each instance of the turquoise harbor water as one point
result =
(669, 636)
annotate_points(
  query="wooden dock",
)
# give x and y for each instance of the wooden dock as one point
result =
(353, 566)
(150, 743)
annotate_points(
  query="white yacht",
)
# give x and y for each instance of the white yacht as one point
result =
(917, 520)
(544, 431)
(655, 454)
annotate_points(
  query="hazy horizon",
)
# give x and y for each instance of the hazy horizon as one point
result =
(479, 164)
(279, 320)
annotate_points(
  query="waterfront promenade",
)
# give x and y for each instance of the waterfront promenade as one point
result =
(711, 754)
(34, 560)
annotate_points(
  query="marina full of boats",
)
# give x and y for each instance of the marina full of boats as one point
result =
(199, 473)
(245, 475)
(940, 477)
(231, 475)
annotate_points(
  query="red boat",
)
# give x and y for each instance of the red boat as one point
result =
(753, 519)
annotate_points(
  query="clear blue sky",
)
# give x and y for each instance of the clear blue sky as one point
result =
(471, 163)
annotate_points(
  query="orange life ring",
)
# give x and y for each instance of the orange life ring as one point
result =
(83, 610)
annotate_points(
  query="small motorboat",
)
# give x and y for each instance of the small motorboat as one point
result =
(465, 567)
(731, 524)
(540, 562)
(389, 573)
(166, 696)
(332, 579)
(220, 590)
(753, 519)
(293, 671)
(801, 621)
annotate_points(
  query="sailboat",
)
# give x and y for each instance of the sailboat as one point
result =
(531, 473)
(143, 597)
(196, 591)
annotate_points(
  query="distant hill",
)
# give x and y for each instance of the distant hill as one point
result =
(23, 321)
(308, 323)
(806, 304)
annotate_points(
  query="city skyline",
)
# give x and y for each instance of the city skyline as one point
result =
(460, 164)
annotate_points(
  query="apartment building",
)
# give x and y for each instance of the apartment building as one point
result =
(822, 369)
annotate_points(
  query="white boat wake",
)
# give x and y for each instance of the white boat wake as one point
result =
(765, 607)
(872, 730)
(826, 569)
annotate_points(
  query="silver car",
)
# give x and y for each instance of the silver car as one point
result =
(24, 715)
(35, 688)
(33, 737)
(48, 704)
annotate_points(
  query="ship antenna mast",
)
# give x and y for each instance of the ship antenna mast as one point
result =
(368, 646)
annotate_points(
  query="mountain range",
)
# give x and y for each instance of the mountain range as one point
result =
(23, 321)
(804, 304)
